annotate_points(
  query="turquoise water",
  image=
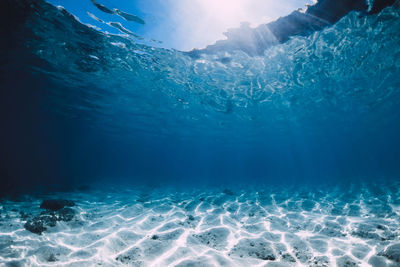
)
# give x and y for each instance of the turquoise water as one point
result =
(305, 133)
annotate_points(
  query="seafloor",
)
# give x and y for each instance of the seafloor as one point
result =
(354, 225)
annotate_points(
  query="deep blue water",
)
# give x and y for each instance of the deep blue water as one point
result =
(78, 105)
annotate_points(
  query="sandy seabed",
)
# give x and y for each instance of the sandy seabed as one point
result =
(356, 225)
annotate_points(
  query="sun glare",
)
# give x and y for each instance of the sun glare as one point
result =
(226, 12)
(203, 22)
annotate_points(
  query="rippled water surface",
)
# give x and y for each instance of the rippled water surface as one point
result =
(344, 74)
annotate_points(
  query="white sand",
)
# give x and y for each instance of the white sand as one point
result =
(267, 226)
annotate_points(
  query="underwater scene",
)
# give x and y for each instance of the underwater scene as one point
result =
(200, 133)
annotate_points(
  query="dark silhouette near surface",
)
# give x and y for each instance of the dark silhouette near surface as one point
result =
(254, 41)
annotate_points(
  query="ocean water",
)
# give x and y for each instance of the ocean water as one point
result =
(290, 157)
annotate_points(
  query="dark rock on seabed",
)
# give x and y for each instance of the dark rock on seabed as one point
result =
(56, 204)
(55, 212)
(35, 225)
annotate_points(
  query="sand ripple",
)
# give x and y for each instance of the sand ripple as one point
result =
(271, 226)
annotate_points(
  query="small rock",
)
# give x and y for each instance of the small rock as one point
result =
(35, 226)
(56, 204)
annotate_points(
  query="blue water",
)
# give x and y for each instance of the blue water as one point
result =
(284, 151)
(79, 105)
